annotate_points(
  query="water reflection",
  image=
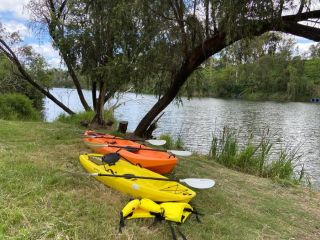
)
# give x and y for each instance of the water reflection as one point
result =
(291, 124)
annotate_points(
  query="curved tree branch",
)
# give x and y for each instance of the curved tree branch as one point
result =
(214, 45)
(301, 30)
(7, 51)
(302, 16)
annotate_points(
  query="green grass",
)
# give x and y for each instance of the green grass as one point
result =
(43, 196)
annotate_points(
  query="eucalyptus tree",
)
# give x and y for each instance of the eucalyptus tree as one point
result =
(106, 44)
(53, 15)
(200, 28)
(103, 40)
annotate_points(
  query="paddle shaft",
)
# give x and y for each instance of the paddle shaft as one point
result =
(119, 138)
(129, 176)
(136, 148)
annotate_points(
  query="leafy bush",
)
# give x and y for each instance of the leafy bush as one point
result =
(11, 83)
(84, 117)
(16, 106)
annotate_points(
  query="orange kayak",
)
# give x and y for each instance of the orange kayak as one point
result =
(160, 162)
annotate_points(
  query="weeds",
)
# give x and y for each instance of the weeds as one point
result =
(170, 143)
(256, 158)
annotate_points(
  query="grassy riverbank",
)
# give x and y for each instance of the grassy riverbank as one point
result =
(42, 197)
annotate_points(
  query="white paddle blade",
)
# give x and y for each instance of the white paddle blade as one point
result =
(156, 142)
(180, 153)
(200, 183)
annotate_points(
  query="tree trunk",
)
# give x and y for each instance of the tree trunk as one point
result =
(76, 83)
(200, 54)
(94, 95)
(98, 119)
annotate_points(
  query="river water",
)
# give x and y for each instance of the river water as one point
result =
(291, 125)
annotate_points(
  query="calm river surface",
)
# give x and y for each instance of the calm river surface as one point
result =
(291, 124)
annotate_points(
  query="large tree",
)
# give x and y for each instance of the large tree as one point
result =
(205, 27)
(101, 40)
(54, 14)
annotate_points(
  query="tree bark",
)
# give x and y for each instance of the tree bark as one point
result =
(216, 44)
(94, 95)
(75, 80)
(98, 119)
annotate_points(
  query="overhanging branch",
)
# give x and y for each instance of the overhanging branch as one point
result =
(302, 30)
(302, 16)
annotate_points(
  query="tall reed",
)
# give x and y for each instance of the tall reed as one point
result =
(256, 157)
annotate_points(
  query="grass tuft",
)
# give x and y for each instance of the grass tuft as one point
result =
(171, 143)
(256, 158)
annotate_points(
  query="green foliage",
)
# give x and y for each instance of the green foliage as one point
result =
(10, 82)
(255, 158)
(271, 77)
(315, 51)
(17, 107)
(76, 119)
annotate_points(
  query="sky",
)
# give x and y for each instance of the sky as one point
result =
(15, 17)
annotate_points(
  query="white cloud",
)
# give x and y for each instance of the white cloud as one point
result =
(304, 48)
(49, 53)
(17, 7)
(22, 29)
(303, 45)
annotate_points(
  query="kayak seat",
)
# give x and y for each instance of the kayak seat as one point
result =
(111, 158)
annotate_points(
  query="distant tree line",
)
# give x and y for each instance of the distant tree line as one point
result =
(264, 68)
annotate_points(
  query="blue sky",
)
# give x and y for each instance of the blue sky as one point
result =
(15, 17)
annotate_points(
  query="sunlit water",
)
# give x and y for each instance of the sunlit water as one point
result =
(291, 124)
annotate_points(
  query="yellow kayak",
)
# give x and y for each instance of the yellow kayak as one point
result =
(156, 190)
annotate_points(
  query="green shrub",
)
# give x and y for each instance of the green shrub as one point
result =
(84, 117)
(16, 106)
